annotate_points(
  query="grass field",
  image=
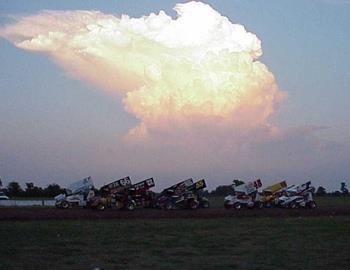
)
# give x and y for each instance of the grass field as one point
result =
(241, 243)
(333, 201)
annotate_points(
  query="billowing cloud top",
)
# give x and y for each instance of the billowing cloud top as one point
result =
(197, 71)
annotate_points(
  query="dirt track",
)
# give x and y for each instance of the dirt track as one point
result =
(38, 213)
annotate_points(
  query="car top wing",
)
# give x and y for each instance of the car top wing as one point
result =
(144, 185)
(117, 185)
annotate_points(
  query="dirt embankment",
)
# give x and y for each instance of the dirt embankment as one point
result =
(38, 213)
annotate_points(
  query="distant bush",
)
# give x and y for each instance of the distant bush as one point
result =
(222, 191)
(321, 191)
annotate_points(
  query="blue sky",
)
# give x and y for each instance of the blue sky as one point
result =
(55, 128)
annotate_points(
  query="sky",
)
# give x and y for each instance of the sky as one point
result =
(279, 111)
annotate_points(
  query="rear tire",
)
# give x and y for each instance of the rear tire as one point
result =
(268, 205)
(259, 205)
(130, 206)
(193, 204)
(312, 205)
(237, 206)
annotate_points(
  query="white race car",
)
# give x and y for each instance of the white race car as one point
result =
(245, 195)
(297, 196)
(3, 196)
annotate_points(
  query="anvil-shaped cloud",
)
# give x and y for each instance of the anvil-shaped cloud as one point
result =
(195, 73)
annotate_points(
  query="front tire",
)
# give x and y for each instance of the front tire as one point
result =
(259, 205)
(294, 205)
(65, 205)
(101, 207)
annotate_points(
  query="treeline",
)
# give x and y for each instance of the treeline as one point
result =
(320, 191)
(14, 189)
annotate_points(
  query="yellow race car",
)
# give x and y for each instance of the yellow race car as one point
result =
(269, 194)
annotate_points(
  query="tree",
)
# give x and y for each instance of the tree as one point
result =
(29, 190)
(343, 188)
(14, 189)
(321, 191)
(33, 191)
(53, 190)
(336, 193)
(222, 191)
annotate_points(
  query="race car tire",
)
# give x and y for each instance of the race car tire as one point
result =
(193, 204)
(130, 206)
(101, 207)
(312, 205)
(65, 205)
(268, 204)
(169, 206)
(259, 205)
(293, 205)
(237, 206)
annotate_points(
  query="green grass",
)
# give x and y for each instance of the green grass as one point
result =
(333, 201)
(232, 243)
